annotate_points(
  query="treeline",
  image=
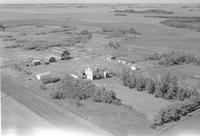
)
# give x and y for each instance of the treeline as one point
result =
(176, 111)
(190, 23)
(165, 86)
(121, 31)
(154, 11)
(174, 58)
(81, 89)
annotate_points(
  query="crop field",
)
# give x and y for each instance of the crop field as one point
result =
(99, 35)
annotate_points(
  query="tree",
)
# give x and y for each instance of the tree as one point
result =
(52, 59)
(150, 86)
(140, 83)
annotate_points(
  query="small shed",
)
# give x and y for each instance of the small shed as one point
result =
(106, 74)
(108, 57)
(134, 67)
(42, 76)
(36, 62)
(122, 60)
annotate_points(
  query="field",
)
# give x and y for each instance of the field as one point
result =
(32, 32)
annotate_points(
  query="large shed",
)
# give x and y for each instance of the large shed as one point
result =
(61, 53)
(42, 76)
(36, 62)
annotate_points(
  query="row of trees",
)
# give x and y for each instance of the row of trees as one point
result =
(174, 58)
(176, 111)
(130, 30)
(165, 86)
(81, 89)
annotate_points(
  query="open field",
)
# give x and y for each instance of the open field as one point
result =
(89, 33)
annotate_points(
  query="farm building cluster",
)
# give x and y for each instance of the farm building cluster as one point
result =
(123, 60)
(58, 54)
(92, 72)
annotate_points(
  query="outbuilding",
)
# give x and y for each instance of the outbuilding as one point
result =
(61, 53)
(134, 67)
(36, 62)
(42, 76)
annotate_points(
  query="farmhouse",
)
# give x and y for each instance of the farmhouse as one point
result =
(89, 73)
(42, 76)
(94, 72)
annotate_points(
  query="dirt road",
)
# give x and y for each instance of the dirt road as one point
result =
(52, 113)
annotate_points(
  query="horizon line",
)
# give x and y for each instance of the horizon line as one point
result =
(106, 3)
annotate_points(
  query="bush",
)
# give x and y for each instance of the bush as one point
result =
(50, 80)
(83, 89)
(52, 59)
(65, 55)
(58, 95)
(134, 31)
(101, 95)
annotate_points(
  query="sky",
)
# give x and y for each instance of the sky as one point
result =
(99, 1)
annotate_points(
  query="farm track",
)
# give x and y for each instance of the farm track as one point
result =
(51, 112)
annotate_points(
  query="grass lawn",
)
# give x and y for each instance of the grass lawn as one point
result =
(141, 101)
